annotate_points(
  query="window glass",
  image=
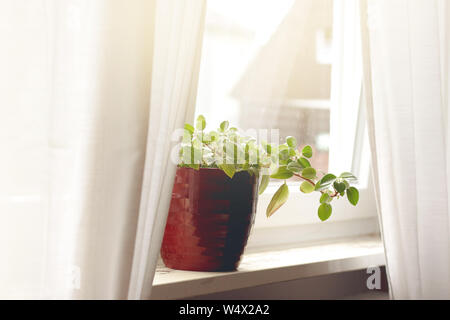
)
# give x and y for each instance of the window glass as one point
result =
(266, 64)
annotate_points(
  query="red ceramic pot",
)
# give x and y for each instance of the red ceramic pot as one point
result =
(209, 219)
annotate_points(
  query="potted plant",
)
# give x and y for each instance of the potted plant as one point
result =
(218, 179)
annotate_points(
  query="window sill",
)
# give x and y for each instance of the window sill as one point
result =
(272, 266)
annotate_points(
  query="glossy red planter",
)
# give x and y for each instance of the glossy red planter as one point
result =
(209, 219)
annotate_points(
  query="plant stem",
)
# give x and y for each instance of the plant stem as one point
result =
(312, 182)
(306, 179)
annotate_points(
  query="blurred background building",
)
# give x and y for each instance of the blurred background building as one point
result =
(257, 68)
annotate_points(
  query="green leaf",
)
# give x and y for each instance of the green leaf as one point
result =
(264, 183)
(282, 173)
(306, 187)
(324, 211)
(291, 141)
(340, 187)
(325, 198)
(229, 169)
(304, 162)
(307, 151)
(294, 166)
(348, 176)
(214, 135)
(224, 125)
(353, 195)
(292, 152)
(189, 128)
(201, 123)
(325, 182)
(347, 185)
(309, 173)
(267, 147)
(278, 199)
(284, 154)
(318, 187)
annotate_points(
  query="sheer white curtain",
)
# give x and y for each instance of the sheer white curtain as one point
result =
(178, 38)
(406, 81)
(82, 85)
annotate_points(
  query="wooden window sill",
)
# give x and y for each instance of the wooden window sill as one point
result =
(274, 265)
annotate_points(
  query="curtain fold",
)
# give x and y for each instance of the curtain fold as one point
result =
(179, 32)
(407, 60)
(86, 87)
